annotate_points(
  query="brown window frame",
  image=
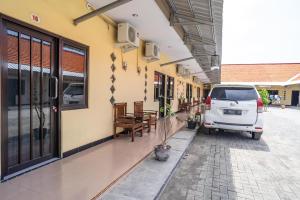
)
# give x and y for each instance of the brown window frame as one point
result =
(57, 59)
(189, 92)
(156, 86)
(198, 92)
(86, 73)
(170, 88)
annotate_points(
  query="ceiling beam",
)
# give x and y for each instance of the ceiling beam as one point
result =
(193, 19)
(100, 11)
(192, 38)
(193, 41)
(200, 53)
(176, 61)
(185, 23)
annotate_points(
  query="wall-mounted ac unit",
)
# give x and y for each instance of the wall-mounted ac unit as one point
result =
(152, 51)
(179, 70)
(186, 73)
(196, 80)
(127, 37)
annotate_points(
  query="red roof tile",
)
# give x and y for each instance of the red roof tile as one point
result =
(280, 72)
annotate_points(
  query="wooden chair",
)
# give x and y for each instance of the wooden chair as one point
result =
(129, 122)
(183, 106)
(149, 117)
(195, 101)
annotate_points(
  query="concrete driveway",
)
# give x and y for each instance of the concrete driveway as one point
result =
(233, 166)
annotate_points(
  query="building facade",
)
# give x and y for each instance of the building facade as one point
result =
(59, 80)
(282, 80)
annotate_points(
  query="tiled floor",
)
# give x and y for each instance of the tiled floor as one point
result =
(148, 178)
(232, 166)
(86, 174)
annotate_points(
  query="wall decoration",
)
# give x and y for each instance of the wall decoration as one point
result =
(146, 83)
(113, 57)
(124, 63)
(113, 77)
(138, 68)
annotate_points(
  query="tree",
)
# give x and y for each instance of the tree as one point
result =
(264, 95)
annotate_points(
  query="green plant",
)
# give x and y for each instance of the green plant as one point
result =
(264, 95)
(191, 117)
(167, 123)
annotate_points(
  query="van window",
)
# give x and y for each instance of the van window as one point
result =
(234, 94)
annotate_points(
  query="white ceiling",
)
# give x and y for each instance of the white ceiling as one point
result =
(152, 25)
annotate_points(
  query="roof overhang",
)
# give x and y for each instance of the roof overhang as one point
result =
(202, 23)
(283, 84)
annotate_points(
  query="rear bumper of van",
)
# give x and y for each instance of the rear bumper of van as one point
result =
(257, 127)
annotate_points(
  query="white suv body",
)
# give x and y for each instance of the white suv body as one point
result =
(234, 107)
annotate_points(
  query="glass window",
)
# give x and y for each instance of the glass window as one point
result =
(170, 87)
(234, 94)
(74, 71)
(156, 86)
(189, 92)
(198, 92)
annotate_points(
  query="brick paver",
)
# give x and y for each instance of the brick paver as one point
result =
(233, 166)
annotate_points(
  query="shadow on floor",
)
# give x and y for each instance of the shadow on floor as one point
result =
(216, 166)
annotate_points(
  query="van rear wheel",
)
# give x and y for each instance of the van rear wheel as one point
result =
(207, 131)
(256, 136)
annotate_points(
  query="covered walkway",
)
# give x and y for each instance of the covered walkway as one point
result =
(87, 174)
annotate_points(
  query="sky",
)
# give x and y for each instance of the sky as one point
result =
(261, 31)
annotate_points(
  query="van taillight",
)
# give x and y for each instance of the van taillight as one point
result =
(260, 105)
(208, 103)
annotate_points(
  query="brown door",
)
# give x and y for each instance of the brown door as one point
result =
(295, 98)
(29, 96)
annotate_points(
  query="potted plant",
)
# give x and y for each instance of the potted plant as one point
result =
(192, 122)
(162, 150)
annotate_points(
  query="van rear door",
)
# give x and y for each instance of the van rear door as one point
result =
(234, 105)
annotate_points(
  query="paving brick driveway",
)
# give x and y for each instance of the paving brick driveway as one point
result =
(233, 166)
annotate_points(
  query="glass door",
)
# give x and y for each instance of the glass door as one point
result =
(30, 98)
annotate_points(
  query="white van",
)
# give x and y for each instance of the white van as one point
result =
(234, 107)
(73, 94)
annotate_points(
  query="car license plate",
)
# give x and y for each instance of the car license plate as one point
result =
(232, 112)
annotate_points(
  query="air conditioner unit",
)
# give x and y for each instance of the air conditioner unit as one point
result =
(152, 50)
(195, 78)
(179, 70)
(186, 73)
(127, 36)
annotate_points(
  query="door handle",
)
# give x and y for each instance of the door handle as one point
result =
(54, 84)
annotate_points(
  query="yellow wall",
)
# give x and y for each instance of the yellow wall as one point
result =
(83, 126)
(281, 89)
